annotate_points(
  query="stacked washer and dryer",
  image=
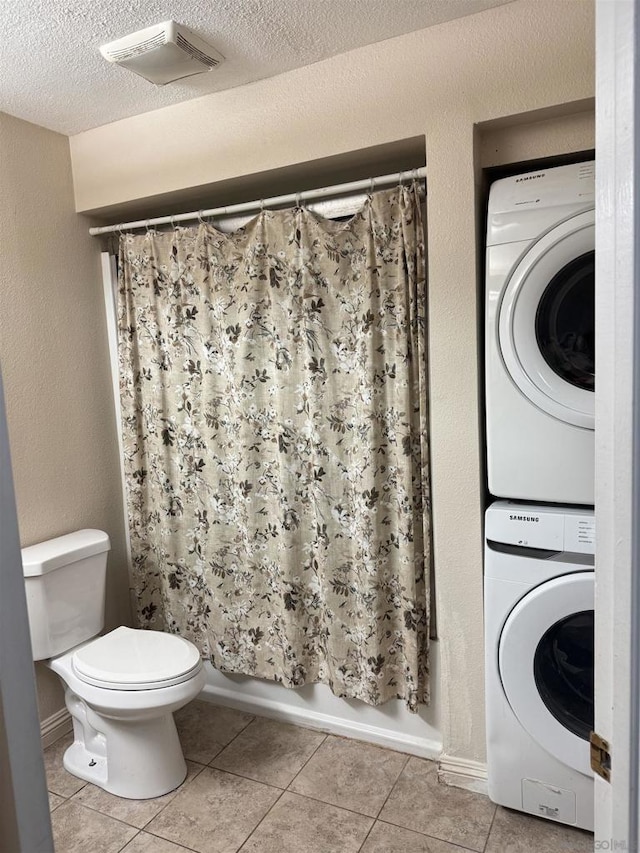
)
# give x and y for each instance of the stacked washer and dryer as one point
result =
(539, 548)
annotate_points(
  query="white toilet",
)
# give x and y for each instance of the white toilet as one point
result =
(121, 689)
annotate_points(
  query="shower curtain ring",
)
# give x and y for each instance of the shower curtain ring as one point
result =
(297, 199)
(400, 180)
(371, 186)
(173, 222)
(200, 218)
(147, 226)
(261, 205)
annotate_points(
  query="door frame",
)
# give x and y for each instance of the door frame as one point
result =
(617, 619)
(25, 823)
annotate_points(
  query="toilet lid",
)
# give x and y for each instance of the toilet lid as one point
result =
(130, 659)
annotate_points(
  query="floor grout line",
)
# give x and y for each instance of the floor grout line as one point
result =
(495, 812)
(111, 817)
(324, 739)
(332, 805)
(262, 819)
(214, 707)
(104, 814)
(129, 841)
(162, 838)
(234, 738)
(232, 741)
(386, 799)
(392, 789)
(454, 844)
(246, 778)
(369, 831)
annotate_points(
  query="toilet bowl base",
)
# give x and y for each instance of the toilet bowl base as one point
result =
(125, 741)
(134, 760)
(79, 761)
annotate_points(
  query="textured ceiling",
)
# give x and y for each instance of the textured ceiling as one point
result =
(53, 73)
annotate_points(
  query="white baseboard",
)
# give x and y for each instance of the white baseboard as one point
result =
(311, 719)
(463, 773)
(55, 727)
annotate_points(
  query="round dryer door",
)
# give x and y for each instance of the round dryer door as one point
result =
(545, 658)
(546, 326)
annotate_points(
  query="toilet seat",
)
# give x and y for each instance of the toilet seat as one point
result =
(133, 659)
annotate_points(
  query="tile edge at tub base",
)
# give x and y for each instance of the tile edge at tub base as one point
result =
(287, 710)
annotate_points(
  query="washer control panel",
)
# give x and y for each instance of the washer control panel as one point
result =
(533, 526)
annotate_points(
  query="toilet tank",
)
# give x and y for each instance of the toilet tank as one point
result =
(65, 584)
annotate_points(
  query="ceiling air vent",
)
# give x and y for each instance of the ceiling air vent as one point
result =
(163, 53)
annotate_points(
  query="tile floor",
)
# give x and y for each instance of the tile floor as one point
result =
(258, 786)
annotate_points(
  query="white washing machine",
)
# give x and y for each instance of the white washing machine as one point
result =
(540, 336)
(539, 597)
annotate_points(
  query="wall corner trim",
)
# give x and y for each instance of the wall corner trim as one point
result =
(55, 727)
(463, 773)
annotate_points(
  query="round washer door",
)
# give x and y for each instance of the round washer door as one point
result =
(546, 324)
(545, 657)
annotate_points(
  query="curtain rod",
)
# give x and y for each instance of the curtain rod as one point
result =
(247, 206)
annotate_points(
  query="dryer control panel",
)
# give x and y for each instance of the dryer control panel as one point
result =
(519, 206)
(554, 187)
(534, 526)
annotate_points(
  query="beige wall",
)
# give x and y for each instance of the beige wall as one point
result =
(532, 59)
(53, 352)
(499, 142)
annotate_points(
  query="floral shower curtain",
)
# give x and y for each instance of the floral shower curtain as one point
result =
(273, 389)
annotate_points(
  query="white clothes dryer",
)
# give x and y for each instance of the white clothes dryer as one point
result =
(540, 356)
(539, 598)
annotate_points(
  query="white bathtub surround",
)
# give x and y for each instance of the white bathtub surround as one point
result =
(390, 725)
